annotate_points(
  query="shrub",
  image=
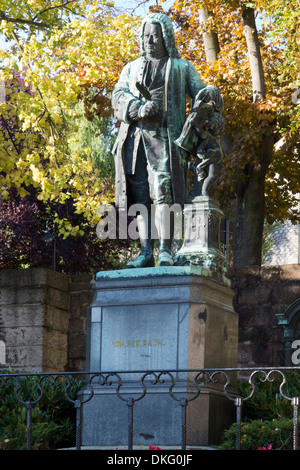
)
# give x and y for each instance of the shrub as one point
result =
(267, 415)
(22, 227)
(258, 433)
(53, 417)
(267, 403)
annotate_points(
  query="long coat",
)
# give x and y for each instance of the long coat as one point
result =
(181, 79)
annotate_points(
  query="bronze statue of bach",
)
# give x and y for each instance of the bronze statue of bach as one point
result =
(149, 100)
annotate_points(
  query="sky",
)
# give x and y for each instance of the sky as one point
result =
(141, 6)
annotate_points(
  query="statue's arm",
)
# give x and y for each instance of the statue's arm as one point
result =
(123, 99)
(193, 81)
(199, 91)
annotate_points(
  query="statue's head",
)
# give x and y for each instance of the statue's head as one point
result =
(167, 33)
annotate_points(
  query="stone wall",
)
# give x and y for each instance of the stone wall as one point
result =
(43, 320)
(43, 316)
(260, 294)
(34, 319)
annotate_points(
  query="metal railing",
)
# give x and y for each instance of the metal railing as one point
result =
(197, 378)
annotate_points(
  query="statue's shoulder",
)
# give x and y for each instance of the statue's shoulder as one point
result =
(188, 65)
(181, 61)
(131, 67)
(183, 64)
(134, 63)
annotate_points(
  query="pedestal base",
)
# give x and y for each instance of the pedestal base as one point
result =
(159, 319)
(202, 238)
(156, 419)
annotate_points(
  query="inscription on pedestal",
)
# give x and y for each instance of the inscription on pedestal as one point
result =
(139, 337)
(136, 343)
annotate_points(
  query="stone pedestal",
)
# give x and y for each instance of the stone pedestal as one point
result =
(202, 244)
(156, 319)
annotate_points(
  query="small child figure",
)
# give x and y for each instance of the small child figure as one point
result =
(200, 138)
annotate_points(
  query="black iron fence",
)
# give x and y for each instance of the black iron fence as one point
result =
(197, 379)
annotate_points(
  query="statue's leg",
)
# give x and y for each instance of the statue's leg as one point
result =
(145, 258)
(166, 232)
(138, 186)
(165, 217)
(211, 177)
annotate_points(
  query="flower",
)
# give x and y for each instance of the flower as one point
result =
(266, 448)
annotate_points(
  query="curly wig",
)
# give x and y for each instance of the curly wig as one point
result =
(167, 33)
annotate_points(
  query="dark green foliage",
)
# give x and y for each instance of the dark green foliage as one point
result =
(267, 403)
(23, 224)
(53, 416)
(267, 415)
(257, 433)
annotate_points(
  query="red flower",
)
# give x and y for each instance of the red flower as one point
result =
(266, 448)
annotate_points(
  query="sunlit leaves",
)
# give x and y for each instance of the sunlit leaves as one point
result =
(46, 72)
(61, 53)
(246, 122)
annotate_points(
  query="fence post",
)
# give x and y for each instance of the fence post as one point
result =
(130, 403)
(183, 404)
(295, 403)
(77, 405)
(238, 403)
(28, 425)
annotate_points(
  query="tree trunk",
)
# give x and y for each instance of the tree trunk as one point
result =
(256, 65)
(210, 39)
(251, 195)
(251, 210)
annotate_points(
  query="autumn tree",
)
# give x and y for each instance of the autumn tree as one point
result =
(68, 56)
(66, 52)
(260, 178)
(282, 183)
(59, 65)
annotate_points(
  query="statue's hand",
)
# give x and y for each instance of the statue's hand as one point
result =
(206, 95)
(133, 110)
(148, 109)
(211, 93)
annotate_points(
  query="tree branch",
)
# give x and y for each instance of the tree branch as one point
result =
(3, 16)
(62, 5)
(10, 134)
